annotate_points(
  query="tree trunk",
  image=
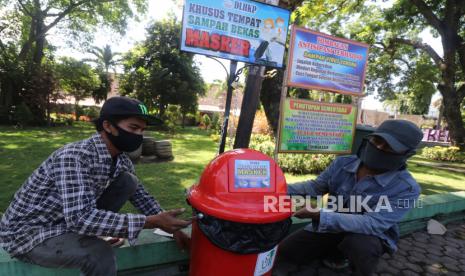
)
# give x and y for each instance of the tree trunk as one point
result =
(76, 109)
(270, 97)
(453, 116)
(441, 113)
(270, 94)
(39, 43)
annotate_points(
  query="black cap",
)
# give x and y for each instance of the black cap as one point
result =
(401, 135)
(124, 106)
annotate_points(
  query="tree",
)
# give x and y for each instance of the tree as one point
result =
(399, 62)
(77, 79)
(105, 59)
(31, 22)
(447, 21)
(158, 73)
(313, 14)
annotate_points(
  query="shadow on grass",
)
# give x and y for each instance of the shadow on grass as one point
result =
(167, 182)
(429, 188)
(418, 168)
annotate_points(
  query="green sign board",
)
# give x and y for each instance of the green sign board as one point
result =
(307, 126)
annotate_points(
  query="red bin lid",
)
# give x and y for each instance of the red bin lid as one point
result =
(242, 185)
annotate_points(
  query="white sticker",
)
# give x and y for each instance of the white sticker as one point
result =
(265, 261)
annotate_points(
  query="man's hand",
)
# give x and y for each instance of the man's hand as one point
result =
(313, 214)
(183, 241)
(167, 221)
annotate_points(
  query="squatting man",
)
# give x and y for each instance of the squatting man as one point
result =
(357, 237)
(60, 214)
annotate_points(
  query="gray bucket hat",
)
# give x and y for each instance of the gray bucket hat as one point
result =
(401, 135)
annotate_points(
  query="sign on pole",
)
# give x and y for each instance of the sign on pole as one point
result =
(323, 62)
(308, 126)
(239, 30)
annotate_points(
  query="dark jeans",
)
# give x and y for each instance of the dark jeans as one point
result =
(90, 254)
(301, 247)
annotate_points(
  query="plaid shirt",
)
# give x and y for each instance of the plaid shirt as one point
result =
(60, 196)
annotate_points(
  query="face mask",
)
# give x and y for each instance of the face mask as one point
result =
(125, 141)
(378, 160)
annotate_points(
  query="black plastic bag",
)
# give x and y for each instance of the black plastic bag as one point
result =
(243, 238)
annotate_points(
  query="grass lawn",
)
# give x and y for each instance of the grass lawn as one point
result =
(22, 151)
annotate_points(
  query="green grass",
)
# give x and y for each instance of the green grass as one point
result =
(22, 151)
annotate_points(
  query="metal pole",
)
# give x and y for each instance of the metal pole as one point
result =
(227, 108)
(281, 108)
(251, 100)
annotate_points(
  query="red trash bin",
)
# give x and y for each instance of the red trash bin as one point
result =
(242, 219)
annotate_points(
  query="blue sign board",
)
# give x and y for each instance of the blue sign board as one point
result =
(323, 62)
(240, 30)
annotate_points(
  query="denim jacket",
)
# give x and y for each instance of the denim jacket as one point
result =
(398, 189)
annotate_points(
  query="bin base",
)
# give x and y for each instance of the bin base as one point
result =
(209, 260)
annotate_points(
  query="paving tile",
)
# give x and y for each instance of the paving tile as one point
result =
(449, 260)
(451, 267)
(418, 254)
(413, 267)
(409, 273)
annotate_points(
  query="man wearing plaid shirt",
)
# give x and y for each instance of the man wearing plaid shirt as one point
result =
(57, 216)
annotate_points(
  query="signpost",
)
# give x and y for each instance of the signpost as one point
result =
(255, 33)
(321, 62)
(324, 62)
(308, 126)
(239, 30)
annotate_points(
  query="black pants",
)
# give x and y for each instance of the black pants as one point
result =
(91, 255)
(301, 247)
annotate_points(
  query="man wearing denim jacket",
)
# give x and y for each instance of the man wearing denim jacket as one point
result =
(375, 191)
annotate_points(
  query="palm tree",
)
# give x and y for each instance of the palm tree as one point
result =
(105, 57)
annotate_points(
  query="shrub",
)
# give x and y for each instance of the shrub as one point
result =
(22, 115)
(190, 120)
(452, 154)
(92, 112)
(215, 137)
(206, 121)
(260, 124)
(305, 163)
(62, 119)
(171, 117)
(215, 122)
(292, 163)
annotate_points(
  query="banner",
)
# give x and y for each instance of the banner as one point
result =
(240, 30)
(308, 126)
(323, 62)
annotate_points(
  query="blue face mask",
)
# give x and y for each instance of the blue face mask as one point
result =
(125, 141)
(379, 160)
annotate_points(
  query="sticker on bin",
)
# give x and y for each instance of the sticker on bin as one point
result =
(265, 261)
(251, 174)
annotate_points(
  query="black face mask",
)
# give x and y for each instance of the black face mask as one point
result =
(378, 160)
(125, 141)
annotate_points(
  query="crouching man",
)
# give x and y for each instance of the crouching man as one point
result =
(57, 216)
(361, 229)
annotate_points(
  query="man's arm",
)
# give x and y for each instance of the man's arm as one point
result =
(370, 223)
(318, 186)
(74, 183)
(144, 202)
